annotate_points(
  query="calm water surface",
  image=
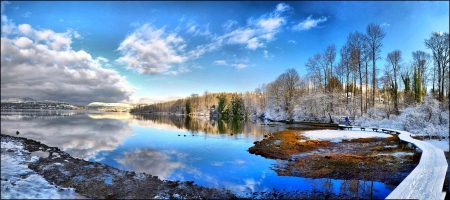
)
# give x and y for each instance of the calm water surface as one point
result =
(211, 153)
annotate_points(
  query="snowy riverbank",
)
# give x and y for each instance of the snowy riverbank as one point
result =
(20, 182)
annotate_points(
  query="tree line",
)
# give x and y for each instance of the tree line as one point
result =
(350, 86)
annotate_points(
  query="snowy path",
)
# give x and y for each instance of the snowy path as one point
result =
(426, 181)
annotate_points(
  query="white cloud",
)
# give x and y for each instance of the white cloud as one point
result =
(282, 7)
(267, 55)
(239, 66)
(292, 41)
(76, 35)
(152, 51)
(195, 29)
(257, 32)
(385, 24)
(42, 65)
(309, 23)
(254, 43)
(180, 70)
(27, 14)
(102, 59)
(228, 25)
(220, 62)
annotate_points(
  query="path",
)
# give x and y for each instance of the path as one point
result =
(426, 181)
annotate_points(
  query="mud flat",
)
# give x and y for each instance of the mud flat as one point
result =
(370, 159)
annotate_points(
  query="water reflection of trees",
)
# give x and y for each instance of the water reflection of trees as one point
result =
(357, 189)
(347, 188)
(203, 124)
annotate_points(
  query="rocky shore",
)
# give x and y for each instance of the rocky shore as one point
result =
(95, 180)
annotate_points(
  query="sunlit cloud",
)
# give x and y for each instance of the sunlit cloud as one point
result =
(152, 51)
(43, 64)
(309, 23)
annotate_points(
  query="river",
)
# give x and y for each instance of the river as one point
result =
(211, 153)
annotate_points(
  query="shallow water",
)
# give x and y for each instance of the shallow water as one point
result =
(211, 153)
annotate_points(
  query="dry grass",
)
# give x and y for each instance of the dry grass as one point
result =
(289, 145)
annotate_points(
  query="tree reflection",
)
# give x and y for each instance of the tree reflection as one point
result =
(357, 189)
(204, 124)
(327, 185)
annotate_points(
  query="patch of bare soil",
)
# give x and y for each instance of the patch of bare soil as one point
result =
(95, 180)
(373, 159)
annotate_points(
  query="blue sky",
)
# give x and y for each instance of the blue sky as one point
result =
(81, 52)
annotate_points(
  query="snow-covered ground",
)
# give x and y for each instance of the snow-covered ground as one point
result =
(443, 144)
(20, 182)
(339, 135)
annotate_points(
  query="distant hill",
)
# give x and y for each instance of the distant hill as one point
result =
(29, 103)
(18, 100)
(109, 106)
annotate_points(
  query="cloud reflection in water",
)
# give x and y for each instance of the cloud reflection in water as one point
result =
(149, 161)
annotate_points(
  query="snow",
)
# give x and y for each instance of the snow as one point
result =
(398, 154)
(443, 144)
(339, 135)
(426, 119)
(427, 179)
(20, 182)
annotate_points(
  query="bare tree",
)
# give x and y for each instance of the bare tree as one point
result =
(289, 82)
(357, 45)
(320, 61)
(346, 61)
(314, 71)
(439, 45)
(394, 61)
(329, 56)
(366, 59)
(374, 37)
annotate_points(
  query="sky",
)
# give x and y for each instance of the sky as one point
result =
(149, 51)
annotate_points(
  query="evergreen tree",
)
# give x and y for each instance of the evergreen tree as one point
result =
(417, 86)
(188, 106)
